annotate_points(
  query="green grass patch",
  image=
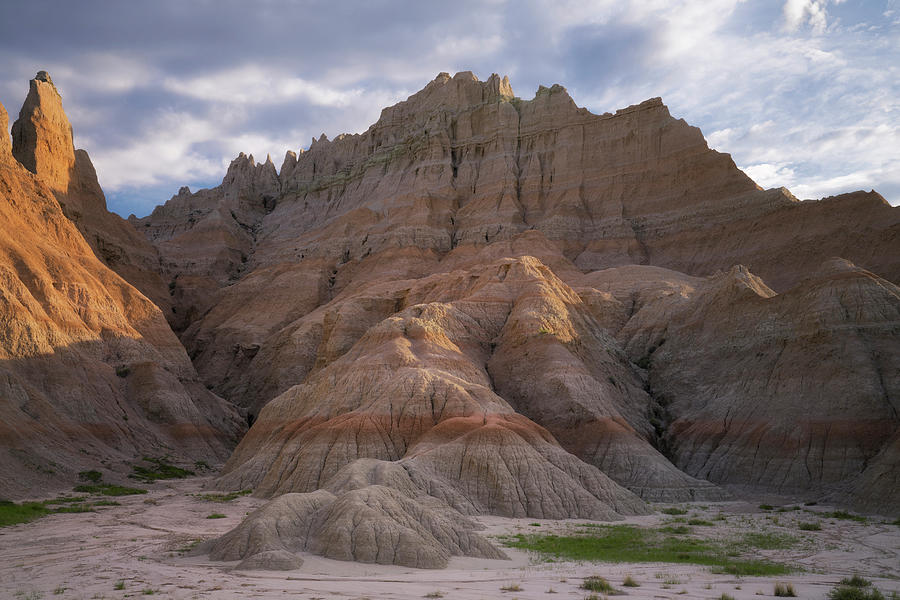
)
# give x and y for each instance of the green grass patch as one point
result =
(701, 522)
(768, 541)
(215, 516)
(843, 514)
(674, 511)
(155, 469)
(226, 497)
(66, 500)
(809, 526)
(108, 489)
(676, 529)
(12, 513)
(628, 543)
(856, 581)
(766, 506)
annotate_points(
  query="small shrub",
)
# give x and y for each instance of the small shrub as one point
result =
(512, 587)
(849, 592)
(435, 594)
(535, 524)
(766, 506)
(785, 590)
(726, 597)
(630, 582)
(809, 526)
(159, 468)
(700, 522)
(674, 511)
(595, 583)
(59, 590)
(90, 476)
(215, 516)
(123, 371)
(120, 585)
(148, 592)
(856, 581)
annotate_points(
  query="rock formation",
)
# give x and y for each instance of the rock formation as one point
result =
(489, 305)
(91, 375)
(42, 142)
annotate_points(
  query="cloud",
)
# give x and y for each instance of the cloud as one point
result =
(253, 84)
(805, 93)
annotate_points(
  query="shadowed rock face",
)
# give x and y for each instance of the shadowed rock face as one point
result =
(90, 372)
(789, 392)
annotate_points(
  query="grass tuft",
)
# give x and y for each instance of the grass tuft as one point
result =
(595, 583)
(630, 582)
(785, 590)
(512, 587)
(809, 526)
(215, 516)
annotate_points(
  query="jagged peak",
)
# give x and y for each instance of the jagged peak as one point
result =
(5, 140)
(42, 135)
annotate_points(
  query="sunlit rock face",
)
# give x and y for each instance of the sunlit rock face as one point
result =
(90, 372)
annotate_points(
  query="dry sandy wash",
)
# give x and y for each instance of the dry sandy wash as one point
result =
(142, 544)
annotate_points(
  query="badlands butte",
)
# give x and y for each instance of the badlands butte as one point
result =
(482, 305)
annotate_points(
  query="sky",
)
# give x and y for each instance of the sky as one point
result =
(802, 93)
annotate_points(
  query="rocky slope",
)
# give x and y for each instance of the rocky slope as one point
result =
(489, 305)
(565, 280)
(91, 375)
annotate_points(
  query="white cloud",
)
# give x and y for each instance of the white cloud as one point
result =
(253, 85)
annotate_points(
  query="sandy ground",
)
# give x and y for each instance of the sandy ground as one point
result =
(140, 547)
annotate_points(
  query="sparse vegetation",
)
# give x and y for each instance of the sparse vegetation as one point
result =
(629, 543)
(766, 506)
(212, 497)
(843, 514)
(595, 583)
(726, 597)
(769, 541)
(785, 590)
(120, 585)
(215, 516)
(674, 511)
(155, 469)
(434, 594)
(630, 582)
(90, 476)
(700, 522)
(676, 529)
(512, 587)
(108, 489)
(123, 371)
(809, 526)
(856, 581)
(855, 588)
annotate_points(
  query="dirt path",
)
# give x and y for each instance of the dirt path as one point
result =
(138, 549)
